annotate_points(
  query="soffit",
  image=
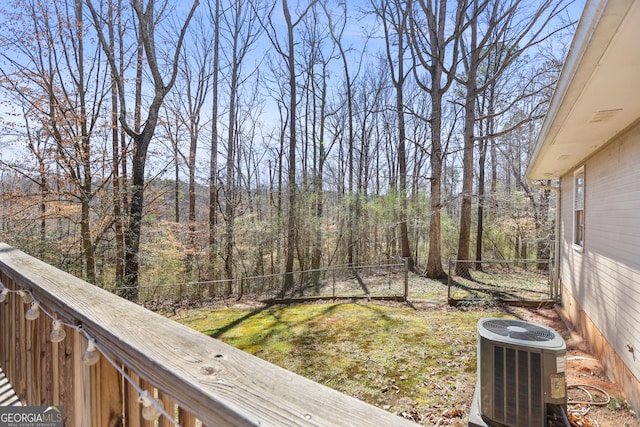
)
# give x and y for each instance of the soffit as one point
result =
(598, 93)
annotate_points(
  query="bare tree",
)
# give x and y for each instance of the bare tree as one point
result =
(184, 115)
(146, 20)
(287, 51)
(433, 47)
(63, 89)
(119, 149)
(394, 15)
(196, 71)
(214, 14)
(519, 26)
(242, 25)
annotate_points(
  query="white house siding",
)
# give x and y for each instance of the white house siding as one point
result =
(604, 278)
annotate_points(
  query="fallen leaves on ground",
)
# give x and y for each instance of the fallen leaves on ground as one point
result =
(579, 421)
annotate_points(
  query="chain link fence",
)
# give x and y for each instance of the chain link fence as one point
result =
(518, 282)
(387, 281)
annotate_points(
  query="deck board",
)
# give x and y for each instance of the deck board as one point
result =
(7, 395)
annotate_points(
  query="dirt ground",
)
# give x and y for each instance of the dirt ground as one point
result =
(584, 369)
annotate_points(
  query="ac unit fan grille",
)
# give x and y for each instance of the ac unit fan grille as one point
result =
(518, 330)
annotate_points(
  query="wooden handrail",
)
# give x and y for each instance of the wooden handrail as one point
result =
(203, 377)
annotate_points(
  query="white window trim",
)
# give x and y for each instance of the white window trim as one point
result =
(577, 247)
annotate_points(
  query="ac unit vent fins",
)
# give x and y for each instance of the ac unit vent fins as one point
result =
(518, 330)
(518, 387)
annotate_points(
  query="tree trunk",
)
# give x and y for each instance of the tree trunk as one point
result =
(479, 230)
(230, 187)
(316, 257)
(116, 156)
(132, 264)
(146, 28)
(464, 240)
(213, 161)
(472, 63)
(434, 268)
(176, 183)
(291, 172)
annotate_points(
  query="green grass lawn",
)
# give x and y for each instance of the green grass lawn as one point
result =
(417, 361)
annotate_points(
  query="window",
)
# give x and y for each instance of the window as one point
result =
(578, 207)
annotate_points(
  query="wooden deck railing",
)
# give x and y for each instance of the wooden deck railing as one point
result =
(199, 380)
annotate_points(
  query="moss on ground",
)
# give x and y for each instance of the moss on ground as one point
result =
(402, 358)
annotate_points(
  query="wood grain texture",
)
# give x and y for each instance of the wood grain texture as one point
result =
(82, 384)
(21, 349)
(169, 406)
(132, 409)
(54, 389)
(66, 364)
(215, 382)
(106, 395)
(186, 419)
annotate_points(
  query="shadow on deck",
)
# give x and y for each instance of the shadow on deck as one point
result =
(7, 395)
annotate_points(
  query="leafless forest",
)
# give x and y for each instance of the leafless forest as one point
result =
(146, 142)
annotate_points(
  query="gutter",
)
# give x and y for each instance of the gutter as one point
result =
(556, 245)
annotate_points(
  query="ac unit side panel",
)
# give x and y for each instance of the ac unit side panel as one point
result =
(554, 377)
(485, 375)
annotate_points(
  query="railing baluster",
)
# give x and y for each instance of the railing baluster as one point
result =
(66, 365)
(169, 406)
(21, 349)
(133, 413)
(47, 359)
(82, 383)
(32, 359)
(54, 388)
(106, 396)
(151, 391)
(185, 418)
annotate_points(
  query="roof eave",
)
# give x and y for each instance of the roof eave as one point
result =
(589, 20)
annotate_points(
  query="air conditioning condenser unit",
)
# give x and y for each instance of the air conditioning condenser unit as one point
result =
(521, 374)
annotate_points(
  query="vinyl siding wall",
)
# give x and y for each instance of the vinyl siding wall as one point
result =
(603, 277)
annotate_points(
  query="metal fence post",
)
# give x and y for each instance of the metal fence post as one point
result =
(406, 278)
(449, 281)
(333, 285)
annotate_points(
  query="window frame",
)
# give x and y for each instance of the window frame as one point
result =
(579, 209)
